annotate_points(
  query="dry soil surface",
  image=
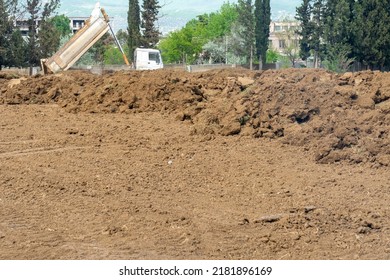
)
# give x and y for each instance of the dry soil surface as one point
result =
(291, 164)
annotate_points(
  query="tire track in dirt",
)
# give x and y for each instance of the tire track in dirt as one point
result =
(23, 230)
(41, 151)
(47, 150)
(18, 142)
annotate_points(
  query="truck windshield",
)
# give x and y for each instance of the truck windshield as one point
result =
(154, 56)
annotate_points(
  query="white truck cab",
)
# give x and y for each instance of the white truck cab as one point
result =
(147, 59)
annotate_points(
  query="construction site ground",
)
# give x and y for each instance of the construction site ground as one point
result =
(227, 164)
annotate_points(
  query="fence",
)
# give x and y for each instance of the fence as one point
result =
(101, 69)
(22, 71)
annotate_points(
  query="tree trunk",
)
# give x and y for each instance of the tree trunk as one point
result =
(316, 59)
(226, 50)
(251, 59)
(260, 62)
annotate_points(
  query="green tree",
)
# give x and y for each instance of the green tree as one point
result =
(303, 15)
(133, 27)
(151, 34)
(247, 31)
(342, 31)
(122, 36)
(316, 42)
(7, 15)
(175, 47)
(372, 31)
(214, 52)
(101, 46)
(49, 38)
(219, 24)
(272, 56)
(262, 22)
(338, 34)
(47, 41)
(112, 55)
(338, 60)
(183, 46)
(4, 33)
(312, 14)
(62, 24)
(33, 8)
(17, 50)
(187, 45)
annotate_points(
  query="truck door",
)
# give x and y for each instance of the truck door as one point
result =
(154, 60)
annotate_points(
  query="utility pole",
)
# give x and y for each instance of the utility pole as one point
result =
(226, 49)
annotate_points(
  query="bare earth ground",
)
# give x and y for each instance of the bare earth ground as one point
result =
(165, 165)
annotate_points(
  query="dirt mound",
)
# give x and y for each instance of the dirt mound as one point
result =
(6, 76)
(335, 117)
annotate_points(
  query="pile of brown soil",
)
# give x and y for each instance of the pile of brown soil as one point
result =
(335, 117)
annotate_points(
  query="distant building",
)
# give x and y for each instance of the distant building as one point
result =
(283, 36)
(76, 23)
(24, 26)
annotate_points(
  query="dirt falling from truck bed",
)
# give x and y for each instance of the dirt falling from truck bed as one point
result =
(336, 117)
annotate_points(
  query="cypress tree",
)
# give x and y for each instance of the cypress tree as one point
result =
(341, 31)
(311, 15)
(7, 11)
(49, 36)
(33, 7)
(316, 42)
(151, 34)
(303, 15)
(41, 45)
(330, 17)
(247, 28)
(133, 29)
(337, 35)
(3, 33)
(373, 37)
(16, 52)
(262, 23)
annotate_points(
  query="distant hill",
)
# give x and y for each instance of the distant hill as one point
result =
(174, 14)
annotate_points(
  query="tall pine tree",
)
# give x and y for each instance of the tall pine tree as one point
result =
(42, 45)
(338, 36)
(247, 28)
(372, 32)
(303, 15)
(49, 36)
(33, 8)
(316, 42)
(17, 51)
(341, 31)
(151, 33)
(262, 23)
(4, 33)
(7, 11)
(133, 29)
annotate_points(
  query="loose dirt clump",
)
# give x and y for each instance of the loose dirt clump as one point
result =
(335, 117)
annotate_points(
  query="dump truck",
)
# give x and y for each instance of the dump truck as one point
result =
(94, 28)
(147, 59)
